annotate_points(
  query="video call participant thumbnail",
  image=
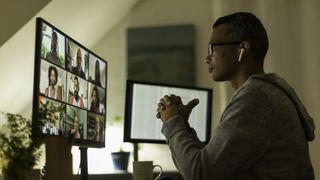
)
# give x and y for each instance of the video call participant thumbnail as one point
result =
(76, 123)
(96, 80)
(52, 91)
(77, 59)
(55, 119)
(97, 71)
(97, 99)
(53, 46)
(75, 98)
(75, 131)
(52, 81)
(95, 127)
(52, 55)
(78, 68)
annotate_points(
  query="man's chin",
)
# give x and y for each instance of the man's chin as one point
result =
(219, 78)
(215, 78)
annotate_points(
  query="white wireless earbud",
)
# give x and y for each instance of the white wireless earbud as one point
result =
(241, 53)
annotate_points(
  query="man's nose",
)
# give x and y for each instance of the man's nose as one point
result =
(207, 59)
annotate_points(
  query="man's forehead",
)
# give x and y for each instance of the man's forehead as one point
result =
(221, 33)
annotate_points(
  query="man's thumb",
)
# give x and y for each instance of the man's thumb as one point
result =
(193, 103)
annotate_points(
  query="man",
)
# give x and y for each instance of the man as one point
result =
(75, 130)
(76, 99)
(52, 55)
(78, 69)
(264, 130)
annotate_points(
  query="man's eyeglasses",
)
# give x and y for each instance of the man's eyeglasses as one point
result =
(211, 49)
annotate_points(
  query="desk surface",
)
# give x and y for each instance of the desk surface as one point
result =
(128, 176)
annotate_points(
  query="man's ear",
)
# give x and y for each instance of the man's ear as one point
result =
(242, 50)
(245, 47)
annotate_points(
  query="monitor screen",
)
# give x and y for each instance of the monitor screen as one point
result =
(142, 98)
(70, 82)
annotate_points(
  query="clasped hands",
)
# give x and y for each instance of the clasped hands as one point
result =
(172, 105)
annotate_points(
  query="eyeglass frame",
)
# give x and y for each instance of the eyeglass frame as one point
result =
(211, 45)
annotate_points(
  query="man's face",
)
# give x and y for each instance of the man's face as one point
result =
(54, 41)
(52, 77)
(222, 64)
(79, 59)
(76, 85)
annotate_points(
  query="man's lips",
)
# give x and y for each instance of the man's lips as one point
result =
(211, 69)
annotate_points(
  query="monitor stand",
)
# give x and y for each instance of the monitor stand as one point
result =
(84, 162)
(135, 152)
(58, 159)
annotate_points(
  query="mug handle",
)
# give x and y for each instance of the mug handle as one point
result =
(160, 173)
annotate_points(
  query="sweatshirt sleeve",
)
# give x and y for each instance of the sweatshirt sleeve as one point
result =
(176, 124)
(239, 140)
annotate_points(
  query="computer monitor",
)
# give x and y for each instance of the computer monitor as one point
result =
(71, 82)
(142, 98)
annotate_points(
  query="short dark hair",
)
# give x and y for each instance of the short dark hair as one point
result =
(97, 73)
(54, 35)
(247, 27)
(52, 68)
(98, 99)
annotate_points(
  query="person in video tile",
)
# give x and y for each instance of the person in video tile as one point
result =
(50, 126)
(51, 91)
(98, 130)
(96, 79)
(75, 99)
(78, 69)
(75, 130)
(95, 101)
(68, 59)
(52, 55)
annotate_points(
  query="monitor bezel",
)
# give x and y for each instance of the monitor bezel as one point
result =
(36, 86)
(128, 110)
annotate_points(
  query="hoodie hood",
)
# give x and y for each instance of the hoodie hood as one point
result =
(306, 120)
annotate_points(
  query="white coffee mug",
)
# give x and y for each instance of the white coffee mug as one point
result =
(143, 170)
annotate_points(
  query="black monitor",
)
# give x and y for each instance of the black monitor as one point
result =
(71, 81)
(142, 98)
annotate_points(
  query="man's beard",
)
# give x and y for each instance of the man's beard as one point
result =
(76, 95)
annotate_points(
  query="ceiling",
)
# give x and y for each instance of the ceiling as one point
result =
(14, 14)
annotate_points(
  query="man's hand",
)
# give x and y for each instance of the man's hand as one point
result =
(172, 105)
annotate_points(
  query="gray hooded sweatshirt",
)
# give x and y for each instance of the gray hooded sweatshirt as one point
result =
(263, 135)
